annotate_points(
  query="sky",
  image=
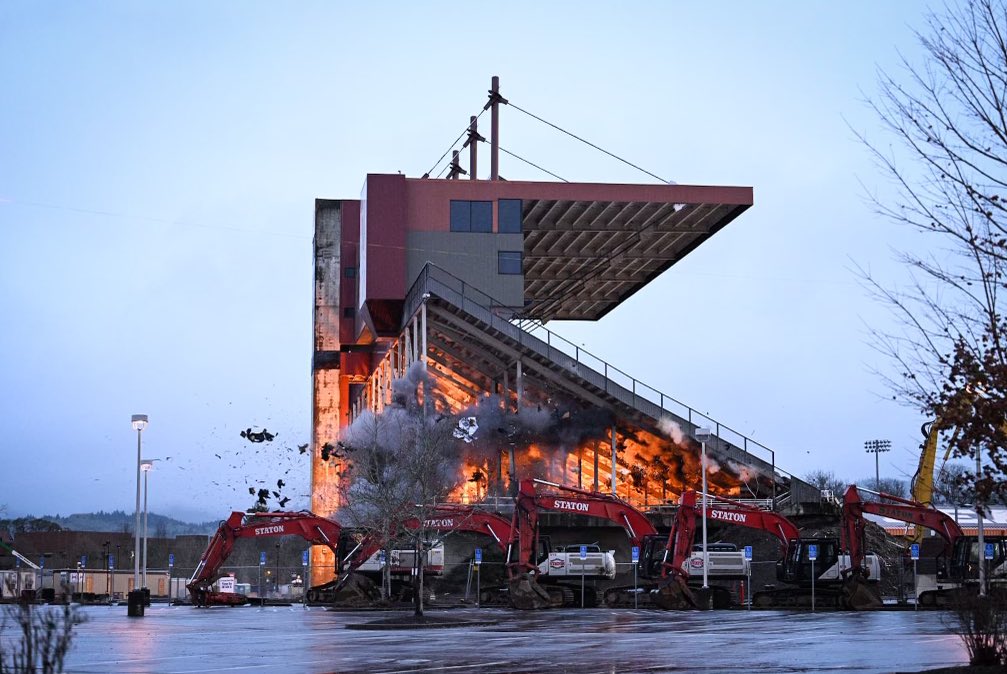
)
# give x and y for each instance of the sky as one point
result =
(159, 164)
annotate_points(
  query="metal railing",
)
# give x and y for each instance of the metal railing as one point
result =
(505, 318)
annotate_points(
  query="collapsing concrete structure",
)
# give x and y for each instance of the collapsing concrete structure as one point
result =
(461, 276)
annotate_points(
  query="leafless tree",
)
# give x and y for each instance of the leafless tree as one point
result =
(826, 479)
(400, 464)
(949, 117)
(42, 637)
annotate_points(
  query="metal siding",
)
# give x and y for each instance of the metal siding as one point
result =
(472, 257)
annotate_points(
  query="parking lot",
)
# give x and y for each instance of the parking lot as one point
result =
(294, 639)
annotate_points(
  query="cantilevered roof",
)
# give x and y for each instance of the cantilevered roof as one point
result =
(590, 247)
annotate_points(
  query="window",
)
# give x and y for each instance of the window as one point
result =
(471, 216)
(509, 216)
(349, 272)
(349, 312)
(509, 262)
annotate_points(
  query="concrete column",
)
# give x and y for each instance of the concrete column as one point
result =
(416, 339)
(505, 398)
(423, 334)
(596, 469)
(409, 347)
(614, 463)
(519, 384)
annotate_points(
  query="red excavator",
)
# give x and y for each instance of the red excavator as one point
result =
(677, 555)
(309, 526)
(444, 517)
(530, 558)
(848, 573)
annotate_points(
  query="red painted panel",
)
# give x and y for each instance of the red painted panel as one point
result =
(349, 257)
(386, 237)
(428, 201)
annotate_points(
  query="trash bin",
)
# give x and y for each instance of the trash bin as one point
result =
(134, 604)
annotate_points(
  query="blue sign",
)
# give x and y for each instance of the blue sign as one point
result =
(171, 559)
(83, 560)
(748, 552)
(914, 551)
(989, 551)
(635, 553)
(262, 559)
(812, 552)
(41, 563)
(583, 552)
(17, 562)
(111, 562)
(479, 555)
(304, 558)
(381, 557)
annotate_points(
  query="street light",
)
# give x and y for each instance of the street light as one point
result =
(145, 466)
(702, 434)
(139, 423)
(875, 447)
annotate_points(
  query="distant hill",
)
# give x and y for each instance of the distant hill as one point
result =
(158, 526)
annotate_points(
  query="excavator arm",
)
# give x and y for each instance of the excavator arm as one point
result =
(18, 555)
(893, 507)
(312, 528)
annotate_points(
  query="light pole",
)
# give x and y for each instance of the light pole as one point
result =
(139, 423)
(981, 542)
(702, 434)
(145, 466)
(875, 447)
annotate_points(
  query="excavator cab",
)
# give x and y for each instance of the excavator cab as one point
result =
(795, 568)
(966, 557)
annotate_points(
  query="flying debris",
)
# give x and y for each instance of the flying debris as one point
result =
(466, 430)
(251, 490)
(258, 436)
(283, 501)
(303, 449)
(279, 484)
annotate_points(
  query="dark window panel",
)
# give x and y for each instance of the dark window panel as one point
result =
(509, 216)
(350, 272)
(509, 262)
(349, 312)
(461, 218)
(482, 216)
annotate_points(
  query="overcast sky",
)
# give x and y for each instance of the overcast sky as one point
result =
(159, 164)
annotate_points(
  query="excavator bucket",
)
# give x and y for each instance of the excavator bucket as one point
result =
(526, 594)
(858, 595)
(674, 595)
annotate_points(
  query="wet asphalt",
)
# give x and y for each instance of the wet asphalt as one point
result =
(180, 640)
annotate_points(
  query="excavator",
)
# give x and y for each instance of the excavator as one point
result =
(962, 555)
(309, 526)
(530, 558)
(445, 517)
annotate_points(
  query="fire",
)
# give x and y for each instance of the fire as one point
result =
(568, 444)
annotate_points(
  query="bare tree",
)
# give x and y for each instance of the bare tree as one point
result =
(949, 115)
(401, 463)
(826, 479)
(42, 636)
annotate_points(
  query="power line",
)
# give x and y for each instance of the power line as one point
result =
(532, 164)
(587, 142)
(451, 147)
